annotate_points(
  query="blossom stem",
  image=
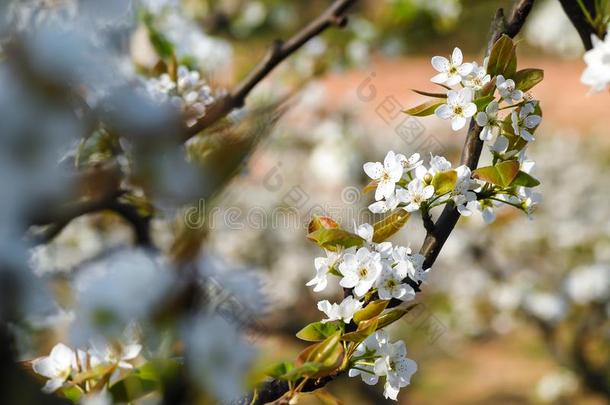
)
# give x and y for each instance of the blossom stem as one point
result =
(586, 13)
(363, 370)
(506, 202)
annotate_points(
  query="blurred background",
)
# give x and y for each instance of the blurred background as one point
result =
(514, 312)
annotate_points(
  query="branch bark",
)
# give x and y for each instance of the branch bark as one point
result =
(335, 15)
(578, 19)
(437, 235)
(61, 217)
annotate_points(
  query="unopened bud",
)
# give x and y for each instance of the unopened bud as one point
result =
(428, 178)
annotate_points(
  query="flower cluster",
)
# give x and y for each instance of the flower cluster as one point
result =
(374, 268)
(493, 95)
(188, 92)
(65, 367)
(418, 187)
(453, 72)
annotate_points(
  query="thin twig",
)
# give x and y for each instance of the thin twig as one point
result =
(58, 220)
(335, 15)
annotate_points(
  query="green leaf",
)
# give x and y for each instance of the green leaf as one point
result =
(389, 225)
(304, 370)
(72, 392)
(424, 109)
(331, 238)
(392, 316)
(365, 329)
(327, 356)
(444, 182)
(502, 174)
(483, 102)
(373, 309)
(428, 94)
(162, 45)
(527, 78)
(317, 331)
(279, 369)
(321, 222)
(503, 58)
(327, 351)
(525, 180)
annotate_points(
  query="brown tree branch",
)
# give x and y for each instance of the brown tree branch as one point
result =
(578, 19)
(62, 216)
(437, 235)
(335, 15)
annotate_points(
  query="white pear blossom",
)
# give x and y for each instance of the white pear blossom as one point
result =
(451, 71)
(323, 266)
(344, 311)
(438, 164)
(360, 270)
(529, 200)
(488, 120)
(500, 145)
(371, 345)
(419, 273)
(386, 175)
(57, 367)
(485, 207)
(589, 284)
(477, 79)
(546, 306)
(411, 264)
(118, 353)
(557, 386)
(458, 109)
(507, 89)
(390, 284)
(409, 163)
(366, 232)
(463, 194)
(396, 367)
(597, 73)
(190, 93)
(524, 121)
(216, 356)
(416, 193)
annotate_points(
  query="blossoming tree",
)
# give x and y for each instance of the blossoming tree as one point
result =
(144, 142)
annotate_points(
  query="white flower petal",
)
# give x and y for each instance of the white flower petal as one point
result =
(52, 385)
(458, 123)
(440, 78)
(440, 63)
(457, 57)
(443, 111)
(470, 109)
(373, 170)
(465, 69)
(481, 119)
